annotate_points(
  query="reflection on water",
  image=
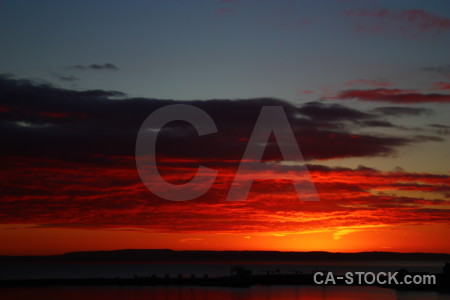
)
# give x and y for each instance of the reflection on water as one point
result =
(214, 293)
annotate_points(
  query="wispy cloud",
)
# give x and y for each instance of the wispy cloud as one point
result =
(412, 22)
(398, 111)
(393, 95)
(442, 85)
(66, 77)
(106, 66)
(438, 69)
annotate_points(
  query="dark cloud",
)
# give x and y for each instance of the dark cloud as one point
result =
(376, 123)
(428, 138)
(441, 129)
(106, 66)
(438, 69)
(393, 96)
(66, 77)
(440, 126)
(398, 111)
(42, 120)
(332, 112)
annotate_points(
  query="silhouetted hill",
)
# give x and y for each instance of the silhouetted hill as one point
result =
(167, 255)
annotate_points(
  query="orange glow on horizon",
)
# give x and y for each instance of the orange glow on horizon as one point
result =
(38, 241)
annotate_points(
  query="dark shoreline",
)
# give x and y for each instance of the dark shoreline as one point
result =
(176, 256)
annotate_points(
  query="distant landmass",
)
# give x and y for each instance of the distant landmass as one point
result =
(167, 255)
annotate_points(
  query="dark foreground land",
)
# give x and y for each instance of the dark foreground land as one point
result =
(239, 276)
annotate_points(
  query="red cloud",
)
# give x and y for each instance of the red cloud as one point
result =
(393, 95)
(409, 22)
(56, 115)
(442, 85)
(59, 194)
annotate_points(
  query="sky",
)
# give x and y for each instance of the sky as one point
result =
(365, 86)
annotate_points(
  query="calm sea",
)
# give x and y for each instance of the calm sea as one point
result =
(214, 293)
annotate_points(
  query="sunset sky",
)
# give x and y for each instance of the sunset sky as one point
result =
(365, 86)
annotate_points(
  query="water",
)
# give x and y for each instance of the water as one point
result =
(128, 270)
(214, 293)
